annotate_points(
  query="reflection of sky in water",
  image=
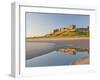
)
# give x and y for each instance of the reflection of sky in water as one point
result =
(55, 58)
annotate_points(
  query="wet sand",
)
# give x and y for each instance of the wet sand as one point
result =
(55, 39)
(37, 47)
(84, 60)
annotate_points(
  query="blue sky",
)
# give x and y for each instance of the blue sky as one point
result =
(38, 24)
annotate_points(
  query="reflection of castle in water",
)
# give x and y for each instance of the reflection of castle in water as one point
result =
(73, 51)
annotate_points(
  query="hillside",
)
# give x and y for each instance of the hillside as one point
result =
(69, 31)
(69, 34)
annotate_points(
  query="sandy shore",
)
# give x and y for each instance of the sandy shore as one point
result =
(84, 60)
(55, 39)
(37, 47)
(60, 42)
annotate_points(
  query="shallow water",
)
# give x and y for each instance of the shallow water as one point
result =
(55, 53)
(55, 58)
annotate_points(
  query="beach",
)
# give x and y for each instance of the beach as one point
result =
(84, 60)
(41, 46)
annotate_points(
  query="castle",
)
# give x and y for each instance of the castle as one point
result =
(62, 31)
(68, 29)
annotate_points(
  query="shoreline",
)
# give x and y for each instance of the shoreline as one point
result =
(84, 60)
(57, 39)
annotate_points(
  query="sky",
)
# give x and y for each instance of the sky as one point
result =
(38, 24)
